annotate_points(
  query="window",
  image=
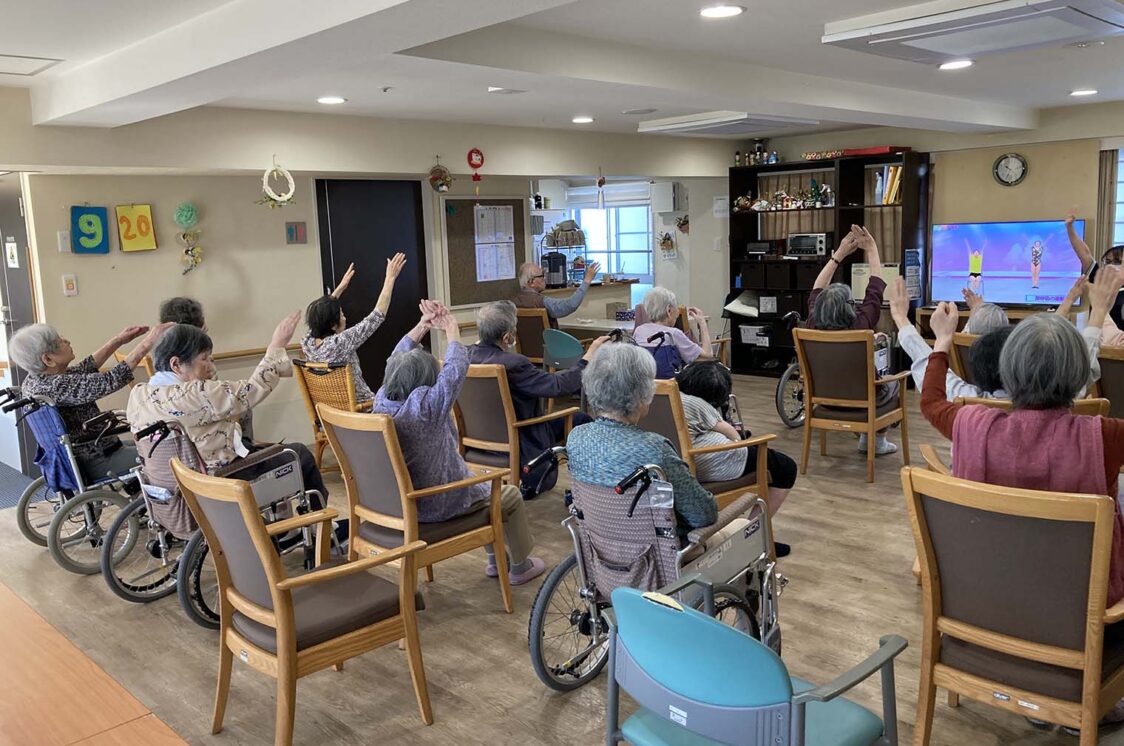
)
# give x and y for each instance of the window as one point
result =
(619, 238)
(1118, 226)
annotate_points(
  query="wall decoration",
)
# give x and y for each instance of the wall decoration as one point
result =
(187, 217)
(476, 162)
(269, 196)
(600, 189)
(88, 229)
(666, 243)
(296, 232)
(440, 180)
(683, 223)
(134, 227)
(12, 253)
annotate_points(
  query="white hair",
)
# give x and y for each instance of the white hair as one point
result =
(985, 318)
(620, 379)
(493, 320)
(527, 273)
(657, 301)
(28, 346)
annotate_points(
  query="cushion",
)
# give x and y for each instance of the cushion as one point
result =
(487, 458)
(1042, 678)
(327, 610)
(852, 415)
(743, 483)
(430, 533)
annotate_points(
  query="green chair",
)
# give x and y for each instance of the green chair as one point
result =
(561, 350)
(715, 685)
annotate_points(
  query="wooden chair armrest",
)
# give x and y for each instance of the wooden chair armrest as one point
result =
(1114, 613)
(895, 377)
(488, 476)
(365, 405)
(933, 460)
(300, 521)
(350, 568)
(754, 441)
(567, 412)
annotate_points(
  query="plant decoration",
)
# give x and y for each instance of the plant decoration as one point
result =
(440, 180)
(186, 217)
(272, 198)
(683, 223)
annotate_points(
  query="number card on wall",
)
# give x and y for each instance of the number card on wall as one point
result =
(89, 232)
(134, 226)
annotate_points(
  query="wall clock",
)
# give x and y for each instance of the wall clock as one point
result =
(1010, 169)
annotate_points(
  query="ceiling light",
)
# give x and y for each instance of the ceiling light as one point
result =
(721, 11)
(1086, 44)
(638, 112)
(582, 119)
(331, 100)
(956, 64)
(499, 90)
(1084, 92)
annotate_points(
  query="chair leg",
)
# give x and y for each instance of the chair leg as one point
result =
(429, 573)
(318, 454)
(226, 659)
(502, 569)
(339, 666)
(417, 669)
(905, 439)
(871, 452)
(953, 699)
(807, 448)
(917, 569)
(286, 699)
(926, 700)
(823, 442)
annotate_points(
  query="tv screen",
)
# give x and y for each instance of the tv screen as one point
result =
(1027, 263)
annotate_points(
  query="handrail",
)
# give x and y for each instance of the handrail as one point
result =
(252, 352)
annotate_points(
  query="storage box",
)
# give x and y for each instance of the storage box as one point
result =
(806, 274)
(753, 335)
(778, 276)
(787, 302)
(753, 276)
(612, 308)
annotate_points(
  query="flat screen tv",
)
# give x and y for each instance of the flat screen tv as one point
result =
(1027, 263)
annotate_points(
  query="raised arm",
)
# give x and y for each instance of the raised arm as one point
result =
(696, 315)
(1075, 241)
(934, 402)
(562, 307)
(344, 281)
(1071, 297)
(394, 266)
(126, 335)
(866, 242)
(846, 247)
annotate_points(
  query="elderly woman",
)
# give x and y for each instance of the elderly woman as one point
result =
(330, 341)
(181, 310)
(210, 410)
(419, 395)
(671, 348)
(47, 357)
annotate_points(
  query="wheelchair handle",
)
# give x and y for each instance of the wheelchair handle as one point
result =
(550, 453)
(156, 427)
(9, 393)
(27, 401)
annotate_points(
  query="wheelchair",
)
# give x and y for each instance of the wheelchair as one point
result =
(154, 547)
(790, 387)
(626, 536)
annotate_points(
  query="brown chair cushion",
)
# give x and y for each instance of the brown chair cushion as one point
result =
(327, 610)
(487, 458)
(743, 483)
(431, 533)
(852, 415)
(1042, 678)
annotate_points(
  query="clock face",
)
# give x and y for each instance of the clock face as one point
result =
(1010, 169)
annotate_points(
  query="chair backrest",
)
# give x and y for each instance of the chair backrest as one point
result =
(837, 366)
(156, 453)
(1090, 407)
(530, 323)
(371, 462)
(1019, 571)
(1112, 378)
(325, 383)
(146, 363)
(637, 551)
(245, 558)
(720, 683)
(486, 410)
(561, 350)
(53, 458)
(959, 355)
(665, 417)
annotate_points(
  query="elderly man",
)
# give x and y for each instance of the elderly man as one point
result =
(529, 386)
(532, 282)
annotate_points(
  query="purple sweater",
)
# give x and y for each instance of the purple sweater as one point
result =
(428, 437)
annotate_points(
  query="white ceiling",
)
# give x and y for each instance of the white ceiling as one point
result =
(129, 60)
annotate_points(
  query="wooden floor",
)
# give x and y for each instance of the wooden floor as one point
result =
(850, 583)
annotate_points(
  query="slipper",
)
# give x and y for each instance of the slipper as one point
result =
(536, 569)
(491, 571)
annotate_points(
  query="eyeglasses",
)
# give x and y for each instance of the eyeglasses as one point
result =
(537, 277)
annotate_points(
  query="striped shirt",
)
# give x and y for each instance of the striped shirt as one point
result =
(711, 467)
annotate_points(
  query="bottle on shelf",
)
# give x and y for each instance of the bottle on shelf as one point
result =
(737, 158)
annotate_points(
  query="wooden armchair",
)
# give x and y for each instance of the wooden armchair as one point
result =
(330, 384)
(1090, 407)
(290, 627)
(719, 346)
(1111, 383)
(530, 324)
(958, 356)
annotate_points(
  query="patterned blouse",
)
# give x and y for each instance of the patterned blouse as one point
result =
(75, 393)
(208, 410)
(342, 346)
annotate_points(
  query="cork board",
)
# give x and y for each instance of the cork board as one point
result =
(460, 244)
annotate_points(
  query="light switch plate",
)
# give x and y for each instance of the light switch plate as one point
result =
(69, 285)
(718, 244)
(64, 242)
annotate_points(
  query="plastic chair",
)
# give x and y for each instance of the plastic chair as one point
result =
(561, 350)
(721, 686)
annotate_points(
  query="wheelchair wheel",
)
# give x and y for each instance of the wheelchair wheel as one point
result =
(790, 396)
(568, 646)
(197, 583)
(36, 508)
(733, 610)
(139, 557)
(78, 530)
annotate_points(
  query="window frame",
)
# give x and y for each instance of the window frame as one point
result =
(613, 234)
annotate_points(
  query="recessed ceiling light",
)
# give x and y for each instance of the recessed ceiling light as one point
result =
(582, 119)
(638, 112)
(956, 64)
(1086, 44)
(503, 91)
(331, 100)
(1084, 92)
(721, 11)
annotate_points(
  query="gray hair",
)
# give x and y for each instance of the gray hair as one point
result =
(835, 308)
(527, 272)
(493, 320)
(1044, 363)
(184, 342)
(28, 346)
(620, 379)
(406, 371)
(987, 317)
(657, 301)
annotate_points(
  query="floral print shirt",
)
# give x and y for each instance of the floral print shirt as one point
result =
(75, 393)
(341, 347)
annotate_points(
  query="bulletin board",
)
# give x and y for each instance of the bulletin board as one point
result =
(461, 249)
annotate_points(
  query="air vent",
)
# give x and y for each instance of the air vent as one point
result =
(14, 64)
(944, 30)
(717, 123)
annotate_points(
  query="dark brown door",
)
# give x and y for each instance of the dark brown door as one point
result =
(367, 222)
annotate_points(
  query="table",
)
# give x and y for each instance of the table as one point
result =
(594, 327)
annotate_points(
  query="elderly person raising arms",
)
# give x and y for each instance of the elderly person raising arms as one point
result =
(419, 395)
(671, 348)
(532, 283)
(74, 389)
(330, 341)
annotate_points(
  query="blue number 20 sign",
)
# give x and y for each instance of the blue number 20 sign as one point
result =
(88, 234)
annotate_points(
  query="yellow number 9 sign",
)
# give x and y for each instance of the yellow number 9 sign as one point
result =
(134, 226)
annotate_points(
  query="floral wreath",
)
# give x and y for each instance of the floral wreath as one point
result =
(272, 198)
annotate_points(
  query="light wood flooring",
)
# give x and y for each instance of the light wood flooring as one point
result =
(850, 583)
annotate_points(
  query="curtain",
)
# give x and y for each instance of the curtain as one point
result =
(1106, 201)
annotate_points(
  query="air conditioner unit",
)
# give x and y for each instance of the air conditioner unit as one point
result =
(946, 30)
(715, 123)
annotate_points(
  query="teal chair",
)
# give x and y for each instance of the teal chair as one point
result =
(560, 350)
(700, 682)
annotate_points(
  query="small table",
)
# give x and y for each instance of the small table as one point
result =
(594, 327)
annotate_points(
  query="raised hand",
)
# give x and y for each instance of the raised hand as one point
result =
(943, 322)
(847, 246)
(594, 346)
(394, 266)
(591, 271)
(1071, 216)
(1103, 290)
(129, 333)
(863, 239)
(344, 281)
(430, 310)
(1077, 289)
(899, 301)
(151, 336)
(283, 334)
(973, 299)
